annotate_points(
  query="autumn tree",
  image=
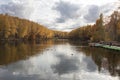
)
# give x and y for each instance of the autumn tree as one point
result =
(99, 30)
(16, 28)
(112, 27)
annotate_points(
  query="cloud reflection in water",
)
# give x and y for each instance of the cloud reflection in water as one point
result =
(59, 62)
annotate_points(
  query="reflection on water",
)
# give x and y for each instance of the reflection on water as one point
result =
(57, 60)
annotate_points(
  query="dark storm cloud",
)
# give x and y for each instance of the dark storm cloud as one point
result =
(66, 10)
(93, 13)
(66, 64)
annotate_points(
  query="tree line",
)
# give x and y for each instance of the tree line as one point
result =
(14, 28)
(99, 31)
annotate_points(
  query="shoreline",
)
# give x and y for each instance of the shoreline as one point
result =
(110, 46)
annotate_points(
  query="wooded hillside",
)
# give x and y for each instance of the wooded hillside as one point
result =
(12, 28)
(99, 31)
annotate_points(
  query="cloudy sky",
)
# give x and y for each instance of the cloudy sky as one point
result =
(59, 14)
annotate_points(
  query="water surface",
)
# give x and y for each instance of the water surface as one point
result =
(57, 60)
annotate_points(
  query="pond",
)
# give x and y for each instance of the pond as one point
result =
(57, 60)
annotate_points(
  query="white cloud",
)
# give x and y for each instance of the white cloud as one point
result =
(91, 2)
(59, 14)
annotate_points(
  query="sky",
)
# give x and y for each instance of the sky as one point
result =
(63, 15)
